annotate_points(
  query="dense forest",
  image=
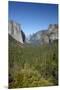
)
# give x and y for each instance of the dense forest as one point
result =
(32, 66)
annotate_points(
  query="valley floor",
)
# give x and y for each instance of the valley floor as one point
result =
(32, 66)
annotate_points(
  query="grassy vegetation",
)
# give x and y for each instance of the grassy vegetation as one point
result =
(31, 66)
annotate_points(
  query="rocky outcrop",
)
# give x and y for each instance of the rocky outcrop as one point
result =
(53, 32)
(45, 36)
(14, 29)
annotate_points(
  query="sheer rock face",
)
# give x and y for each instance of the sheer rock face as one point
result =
(53, 32)
(14, 29)
(45, 36)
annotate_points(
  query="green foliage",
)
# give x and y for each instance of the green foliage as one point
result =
(31, 66)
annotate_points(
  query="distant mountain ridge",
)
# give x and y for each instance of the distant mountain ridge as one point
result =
(40, 37)
(45, 36)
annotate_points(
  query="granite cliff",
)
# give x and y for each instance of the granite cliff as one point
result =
(14, 29)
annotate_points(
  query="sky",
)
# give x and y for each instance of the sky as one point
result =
(33, 17)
